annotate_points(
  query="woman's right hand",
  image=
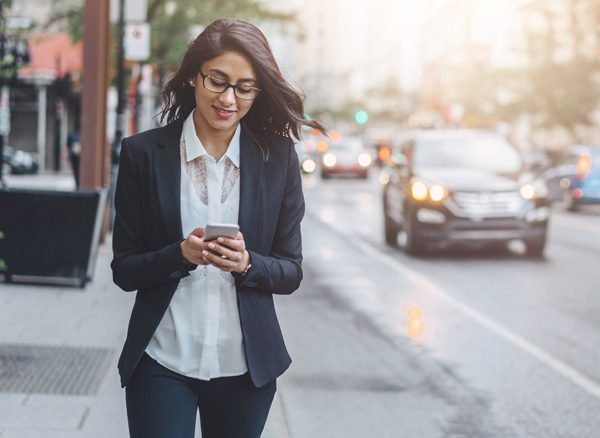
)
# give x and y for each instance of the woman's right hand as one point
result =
(192, 247)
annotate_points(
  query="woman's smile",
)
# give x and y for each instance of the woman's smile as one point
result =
(224, 113)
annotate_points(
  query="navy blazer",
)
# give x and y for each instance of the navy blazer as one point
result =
(148, 231)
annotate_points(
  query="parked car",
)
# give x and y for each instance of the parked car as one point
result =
(19, 162)
(576, 178)
(463, 186)
(347, 156)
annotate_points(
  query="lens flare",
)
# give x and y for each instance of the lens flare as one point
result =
(329, 159)
(415, 327)
(309, 166)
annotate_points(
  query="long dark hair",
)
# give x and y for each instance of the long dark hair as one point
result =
(277, 110)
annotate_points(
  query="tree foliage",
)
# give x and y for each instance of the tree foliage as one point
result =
(558, 84)
(171, 21)
(562, 75)
(66, 15)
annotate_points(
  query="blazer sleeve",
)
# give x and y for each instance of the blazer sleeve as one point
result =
(134, 266)
(280, 272)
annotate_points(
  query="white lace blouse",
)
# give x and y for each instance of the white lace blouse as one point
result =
(200, 334)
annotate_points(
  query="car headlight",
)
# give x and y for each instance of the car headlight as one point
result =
(421, 191)
(364, 159)
(534, 190)
(418, 190)
(437, 192)
(309, 165)
(329, 159)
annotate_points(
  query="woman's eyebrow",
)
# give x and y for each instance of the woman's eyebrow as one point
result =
(222, 73)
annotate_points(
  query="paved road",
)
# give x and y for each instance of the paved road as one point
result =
(457, 343)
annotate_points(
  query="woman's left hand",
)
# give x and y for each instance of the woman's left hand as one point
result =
(229, 255)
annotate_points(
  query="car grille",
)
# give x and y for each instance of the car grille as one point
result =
(486, 204)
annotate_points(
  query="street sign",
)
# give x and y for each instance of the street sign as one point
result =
(4, 121)
(137, 41)
(135, 10)
(20, 23)
(4, 111)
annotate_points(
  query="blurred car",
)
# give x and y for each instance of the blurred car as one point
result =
(462, 186)
(19, 162)
(576, 178)
(307, 156)
(347, 156)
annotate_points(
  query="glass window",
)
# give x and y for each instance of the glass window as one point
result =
(488, 153)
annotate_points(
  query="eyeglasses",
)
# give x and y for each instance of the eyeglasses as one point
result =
(218, 85)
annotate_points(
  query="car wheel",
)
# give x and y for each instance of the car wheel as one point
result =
(535, 248)
(414, 245)
(325, 175)
(390, 228)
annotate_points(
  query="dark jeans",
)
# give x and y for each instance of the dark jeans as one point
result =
(162, 404)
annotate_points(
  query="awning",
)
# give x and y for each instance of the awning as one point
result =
(52, 55)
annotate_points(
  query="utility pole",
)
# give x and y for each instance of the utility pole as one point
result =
(94, 151)
(2, 85)
(121, 98)
(120, 120)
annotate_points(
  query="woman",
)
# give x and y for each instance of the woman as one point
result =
(203, 333)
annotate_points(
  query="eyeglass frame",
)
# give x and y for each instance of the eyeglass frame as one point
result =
(227, 87)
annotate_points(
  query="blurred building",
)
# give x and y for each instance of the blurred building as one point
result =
(461, 36)
(463, 41)
(561, 32)
(346, 49)
(45, 97)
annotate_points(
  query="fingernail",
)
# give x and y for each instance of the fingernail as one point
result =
(220, 239)
(204, 253)
(211, 245)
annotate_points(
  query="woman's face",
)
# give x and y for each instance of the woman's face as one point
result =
(221, 112)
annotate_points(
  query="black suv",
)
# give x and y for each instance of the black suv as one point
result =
(462, 186)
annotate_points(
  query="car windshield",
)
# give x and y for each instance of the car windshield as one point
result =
(486, 153)
(348, 145)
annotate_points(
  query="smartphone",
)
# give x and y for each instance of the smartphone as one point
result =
(212, 231)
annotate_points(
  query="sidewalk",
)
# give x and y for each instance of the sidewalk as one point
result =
(95, 317)
(59, 348)
(50, 181)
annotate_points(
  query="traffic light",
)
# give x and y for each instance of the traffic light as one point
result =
(361, 117)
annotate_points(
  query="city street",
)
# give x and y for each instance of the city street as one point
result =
(450, 288)
(503, 345)
(455, 343)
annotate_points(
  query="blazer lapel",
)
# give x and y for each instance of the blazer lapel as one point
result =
(251, 168)
(167, 169)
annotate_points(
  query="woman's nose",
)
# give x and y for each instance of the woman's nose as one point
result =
(228, 96)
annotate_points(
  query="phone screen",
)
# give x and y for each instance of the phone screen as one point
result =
(212, 231)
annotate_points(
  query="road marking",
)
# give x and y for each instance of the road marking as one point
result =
(577, 378)
(576, 224)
